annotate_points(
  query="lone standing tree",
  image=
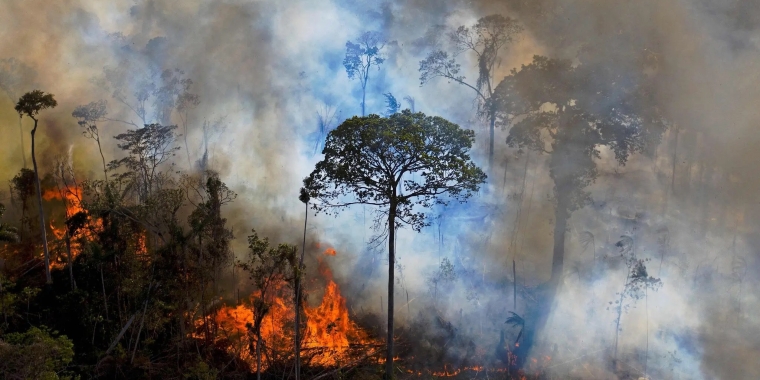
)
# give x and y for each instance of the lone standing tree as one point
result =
(404, 164)
(361, 56)
(30, 104)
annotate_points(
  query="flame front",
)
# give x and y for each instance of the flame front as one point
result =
(72, 199)
(327, 339)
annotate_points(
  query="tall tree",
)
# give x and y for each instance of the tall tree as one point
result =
(14, 74)
(361, 56)
(570, 112)
(402, 164)
(147, 149)
(485, 40)
(88, 116)
(30, 104)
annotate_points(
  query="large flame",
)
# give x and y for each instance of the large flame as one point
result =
(327, 339)
(72, 199)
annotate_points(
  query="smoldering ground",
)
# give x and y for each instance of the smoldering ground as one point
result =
(268, 67)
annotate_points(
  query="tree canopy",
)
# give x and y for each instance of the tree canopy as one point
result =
(407, 159)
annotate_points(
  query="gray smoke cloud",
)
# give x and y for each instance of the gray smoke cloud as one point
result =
(268, 67)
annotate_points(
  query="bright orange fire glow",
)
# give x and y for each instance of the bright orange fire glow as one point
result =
(72, 198)
(329, 331)
(330, 252)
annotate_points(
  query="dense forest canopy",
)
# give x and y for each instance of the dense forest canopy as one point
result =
(579, 176)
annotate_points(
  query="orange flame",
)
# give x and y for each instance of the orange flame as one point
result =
(330, 252)
(72, 198)
(329, 330)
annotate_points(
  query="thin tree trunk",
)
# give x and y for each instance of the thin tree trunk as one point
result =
(103, 158)
(492, 133)
(48, 278)
(297, 343)
(364, 97)
(391, 268)
(142, 322)
(70, 259)
(103, 285)
(258, 356)
(514, 284)
(21, 131)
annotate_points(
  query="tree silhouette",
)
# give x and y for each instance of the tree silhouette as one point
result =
(485, 40)
(402, 164)
(14, 74)
(88, 115)
(30, 104)
(361, 56)
(570, 112)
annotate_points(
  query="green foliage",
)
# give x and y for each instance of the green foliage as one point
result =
(201, 371)
(35, 354)
(405, 160)
(31, 103)
(362, 55)
(7, 233)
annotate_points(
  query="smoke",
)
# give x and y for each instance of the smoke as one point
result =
(267, 67)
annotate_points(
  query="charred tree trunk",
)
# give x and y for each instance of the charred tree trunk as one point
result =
(391, 268)
(48, 278)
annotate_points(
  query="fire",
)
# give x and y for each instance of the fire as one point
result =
(72, 198)
(330, 252)
(328, 336)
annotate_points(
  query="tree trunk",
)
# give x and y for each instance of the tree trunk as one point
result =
(258, 355)
(103, 158)
(391, 268)
(560, 229)
(70, 259)
(297, 342)
(492, 121)
(364, 97)
(103, 286)
(21, 131)
(537, 317)
(48, 278)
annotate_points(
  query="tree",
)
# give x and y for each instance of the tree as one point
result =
(88, 115)
(30, 104)
(402, 164)
(268, 267)
(7, 233)
(391, 104)
(485, 40)
(361, 56)
(35, 354)
(14, 74)
(570, 112)
(147, 148)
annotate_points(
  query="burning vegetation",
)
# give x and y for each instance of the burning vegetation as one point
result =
(564, 207)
